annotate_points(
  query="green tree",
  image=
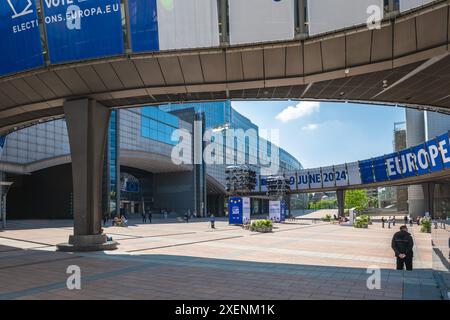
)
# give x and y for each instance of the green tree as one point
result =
(356, 199)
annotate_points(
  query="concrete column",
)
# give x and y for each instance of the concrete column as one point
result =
(340, 195)
(415, 134)
(428, 191)
(87, 126)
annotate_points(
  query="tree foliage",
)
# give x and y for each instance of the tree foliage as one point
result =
(356, 199)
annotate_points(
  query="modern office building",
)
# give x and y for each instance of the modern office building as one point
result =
(38, 160)
(400, 144)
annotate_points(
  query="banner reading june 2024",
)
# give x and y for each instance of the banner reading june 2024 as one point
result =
(83, 29)
(20, 40)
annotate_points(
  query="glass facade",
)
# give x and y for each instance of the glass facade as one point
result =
(219, 116)
(38, 142)
(113, 160)
(158, 125)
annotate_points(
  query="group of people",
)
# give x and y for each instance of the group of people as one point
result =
(393, 220)
(147, 216)
(117, 221)
(390, 221)
(340, 220)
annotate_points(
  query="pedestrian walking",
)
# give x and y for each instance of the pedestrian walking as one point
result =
(393, 221)
(389, 222)
(186, 217)
(406, 219)
(150, 216)
(402, 244)
(411, 222)
(213, 221)
(105, 219)
(382, 222)
(418, 221)
(144, 216)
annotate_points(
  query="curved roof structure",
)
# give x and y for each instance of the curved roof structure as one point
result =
(405, 61)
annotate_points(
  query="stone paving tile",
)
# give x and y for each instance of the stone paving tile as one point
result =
(183, 261)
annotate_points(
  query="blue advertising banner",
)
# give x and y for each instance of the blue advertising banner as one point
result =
(20, 41)
(366, 170)
(143, 25)
(421, 157)
(263, 184)
(2, 144)
(394, 170)
(282, 211)
(235, 210)
(83, 29)
(444, 148)
(380, 170)
(434, 156)
(408, 163)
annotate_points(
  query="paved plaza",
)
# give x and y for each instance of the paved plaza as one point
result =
(301, 259)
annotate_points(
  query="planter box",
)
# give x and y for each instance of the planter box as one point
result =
(262, 230)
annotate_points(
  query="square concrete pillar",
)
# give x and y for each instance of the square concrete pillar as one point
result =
(87, 127)
(340, 195)
(428, 191)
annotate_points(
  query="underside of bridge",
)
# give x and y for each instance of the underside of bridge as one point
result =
(405, 62)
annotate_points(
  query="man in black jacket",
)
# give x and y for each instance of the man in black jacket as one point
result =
(402, 244)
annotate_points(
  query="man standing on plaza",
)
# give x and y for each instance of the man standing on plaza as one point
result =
(402, 244)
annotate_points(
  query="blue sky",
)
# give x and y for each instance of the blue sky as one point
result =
(327, 133)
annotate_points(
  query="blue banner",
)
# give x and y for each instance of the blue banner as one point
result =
(434, 156)
(282, 211)
(444, 148)
(379, 166)
(421, 157)
(393, 166)
(83, 29)
(2, 144)
(20, 41)
(143, 25)
(366, 170)
(408, 163)
(235, 210)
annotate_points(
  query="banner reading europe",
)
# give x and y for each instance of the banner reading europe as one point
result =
(83, 29)
(428, 157)
(19, 29)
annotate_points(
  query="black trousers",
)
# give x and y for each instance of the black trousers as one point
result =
(406, 262)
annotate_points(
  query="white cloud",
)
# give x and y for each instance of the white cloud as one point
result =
(302, 109)
(310, 127)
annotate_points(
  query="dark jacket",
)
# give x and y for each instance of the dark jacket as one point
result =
(402, 242)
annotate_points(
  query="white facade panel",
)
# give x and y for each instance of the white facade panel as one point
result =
(329, 15)
(187, 24)
(315, 178)
(354, 175)
(328, 177)
(303, 180)
(261, 20)
(341, 175)
(406, 5)
(275, 210)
